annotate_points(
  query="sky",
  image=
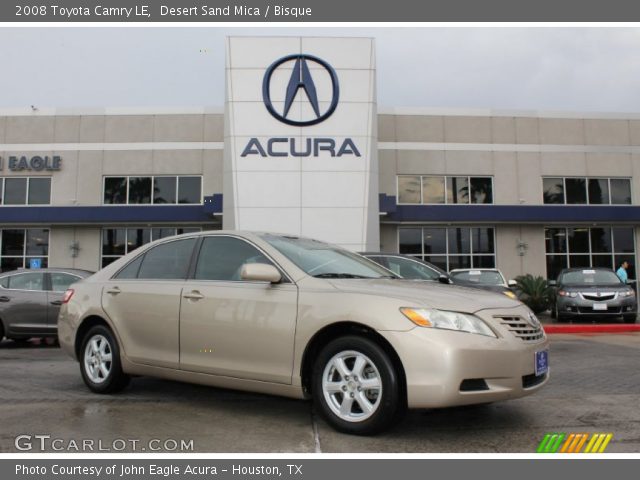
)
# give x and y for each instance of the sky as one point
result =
(591, 69)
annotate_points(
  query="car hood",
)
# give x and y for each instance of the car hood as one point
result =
(428, 294)
(491, 288)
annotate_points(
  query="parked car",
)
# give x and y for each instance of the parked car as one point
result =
(490, 279)
(591, 293)
(408, 267)
(301, 318)
(30, 301)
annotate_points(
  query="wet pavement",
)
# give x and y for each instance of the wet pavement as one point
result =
(594, 387)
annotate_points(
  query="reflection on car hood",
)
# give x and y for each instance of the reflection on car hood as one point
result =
(492, 288)
(428, 294)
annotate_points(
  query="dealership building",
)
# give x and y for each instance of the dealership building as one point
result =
(301, 147)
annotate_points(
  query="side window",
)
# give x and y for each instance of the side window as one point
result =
(4, 282)
(61, 281)
(27, 281)
(411, 270)
(132, 268)
(168, 261)
(221, 258)
(380, 261)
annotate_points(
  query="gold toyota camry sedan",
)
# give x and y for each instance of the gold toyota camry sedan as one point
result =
(292, 316)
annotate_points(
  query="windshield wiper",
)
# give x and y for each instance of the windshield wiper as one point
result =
(340, 275)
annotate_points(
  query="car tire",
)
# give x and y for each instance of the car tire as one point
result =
(360, 368)
(100, 361)
(629, 318)
(554, 311)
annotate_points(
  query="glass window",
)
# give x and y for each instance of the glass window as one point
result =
(411, 269)
(222, 258)
(601, 240)
(39, 191)
(459, 261)
(459, 240)
(115, 190)
(1, 189)
(131, 270)
(409, 189)
(621, 191)
(4, 282)
(555, 240)
(61, 281)
(598, 191)
(37, 242)
(482, 240)
(435, 240)
(578, 240)
(189, 190)
(410, 241)
(164, 190)
(481, 190)
(479, 277)
(439, 261)
(114, 241)
(484, 261)
(8, 264)
(159, 233)
(588, 247)
(13, 242)
(457, 190)
(15, 191)
(167, 261)
(27, 281)
(136, 237)
(553, 190)
(433, 190)
(576, 190)
(139, 190)
(623, 240)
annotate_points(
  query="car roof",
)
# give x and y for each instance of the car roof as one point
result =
(579, 269)
(474, 270)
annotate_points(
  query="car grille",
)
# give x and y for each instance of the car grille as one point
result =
(603, 297)
(522, 329)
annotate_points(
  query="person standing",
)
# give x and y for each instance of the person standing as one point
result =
(622, 272)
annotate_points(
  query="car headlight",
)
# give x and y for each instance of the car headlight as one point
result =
(432, 318)
(628, 293)
(510, 294)
(564, 293)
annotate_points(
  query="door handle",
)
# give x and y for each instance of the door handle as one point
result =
(56, 302)
(113, 291)
(194, 295)
(5, 299)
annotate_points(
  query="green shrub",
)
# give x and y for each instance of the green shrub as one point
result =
(534, 292)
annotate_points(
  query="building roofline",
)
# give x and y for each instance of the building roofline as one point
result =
(489, 112)
(71, 111)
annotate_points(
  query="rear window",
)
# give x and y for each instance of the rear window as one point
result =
(590, 277)
(479, 277)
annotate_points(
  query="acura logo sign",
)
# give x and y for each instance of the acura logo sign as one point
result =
(300, 79)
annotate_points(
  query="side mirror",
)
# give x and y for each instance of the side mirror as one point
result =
(260, 272)
(552, 283)
(512, 283)
(444, 279)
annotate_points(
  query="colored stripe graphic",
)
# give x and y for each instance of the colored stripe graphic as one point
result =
(574, 442)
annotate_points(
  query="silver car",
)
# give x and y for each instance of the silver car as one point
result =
(30, 301)
(592, 293)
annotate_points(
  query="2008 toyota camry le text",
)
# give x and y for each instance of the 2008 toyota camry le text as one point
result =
(301, 318)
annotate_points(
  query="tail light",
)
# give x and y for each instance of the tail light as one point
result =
(67, 295)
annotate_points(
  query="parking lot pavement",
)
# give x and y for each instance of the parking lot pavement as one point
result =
(594, 387)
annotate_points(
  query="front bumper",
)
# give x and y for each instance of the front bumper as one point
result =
(579, 307)
(448, 368)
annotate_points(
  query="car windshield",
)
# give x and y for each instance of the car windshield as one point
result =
(411, 269)
(323, 260)
(589, 277)
(481, 277)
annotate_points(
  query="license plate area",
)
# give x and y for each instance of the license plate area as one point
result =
(541, 362)
(600, 306)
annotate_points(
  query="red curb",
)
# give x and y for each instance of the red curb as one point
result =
(603, 328)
